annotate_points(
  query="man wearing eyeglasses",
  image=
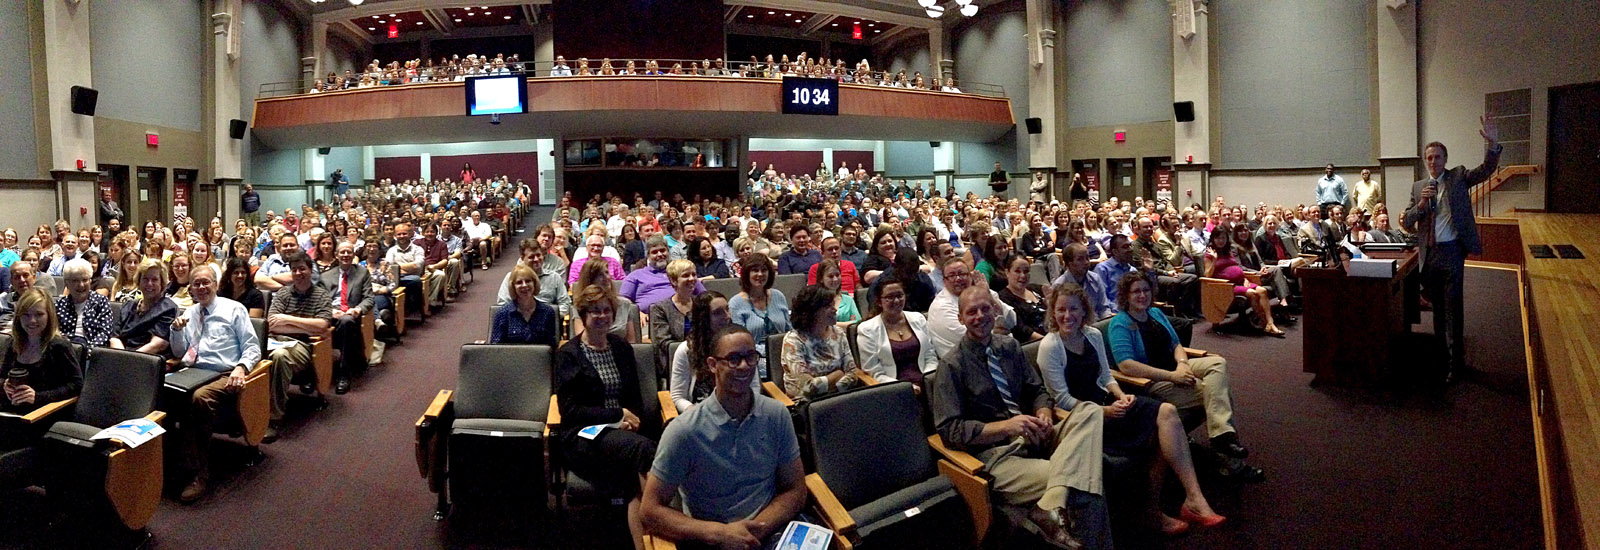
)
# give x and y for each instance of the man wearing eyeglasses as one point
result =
(734, 456)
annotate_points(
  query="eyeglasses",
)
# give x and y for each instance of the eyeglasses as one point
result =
(737, 360)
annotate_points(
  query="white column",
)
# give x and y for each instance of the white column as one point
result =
(427, 167)
(547, 171)
(369, 164)
(1191, 81)
(1042, 97)
(226, 152)
(1396, 81)
(66, 64)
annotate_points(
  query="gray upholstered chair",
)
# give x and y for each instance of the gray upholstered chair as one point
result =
(877, 482)
(728, 287)
(482, 445)
(789, 285)
(108, 474)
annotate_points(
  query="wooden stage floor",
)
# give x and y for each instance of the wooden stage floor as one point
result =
(1563, 305)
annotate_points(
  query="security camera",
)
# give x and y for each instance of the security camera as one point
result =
(494, 119)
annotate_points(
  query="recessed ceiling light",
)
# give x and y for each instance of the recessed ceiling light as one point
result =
(749, 16)
(508, 17)
(488, 13)
(391, 15)
(771, 12)
(786, 14)
(419, 22)
(383, 20)
(835, 24)
(797, 20)
(372, 28)
(879, 30)
(858, 22)
(872, 24)
(458, 19)
(485, 7)
(374, 17)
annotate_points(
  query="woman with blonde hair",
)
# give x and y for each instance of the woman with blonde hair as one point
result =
(50, 370)
(524, 319)
(145, 324)
(125, 287)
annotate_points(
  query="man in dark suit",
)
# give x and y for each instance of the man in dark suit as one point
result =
(1440, 213)
(351, 286)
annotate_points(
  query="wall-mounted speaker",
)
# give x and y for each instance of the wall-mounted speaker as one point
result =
(324, 150)
(84, 99)
(1035, 125)
(933, 144)
(236, 128)
(1183, 111)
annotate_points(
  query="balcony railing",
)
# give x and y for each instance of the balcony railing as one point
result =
(543, 69)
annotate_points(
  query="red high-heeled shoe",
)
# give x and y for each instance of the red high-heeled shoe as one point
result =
(1213, 520)
(1173, 530)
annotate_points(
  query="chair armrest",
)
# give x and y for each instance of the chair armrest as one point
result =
(428, 432)
(776, 392)
(322, 360)
(1214, 281)
(133, 478)
(829, 510)
(656, 543)
(866, 379)
(669, 410)
(1195, 352)
(1131, 382)
(644, 328)
(960, 459)
(1254, 278)
(552, 419)
(975, 491)
(174, 365)
(48, 411)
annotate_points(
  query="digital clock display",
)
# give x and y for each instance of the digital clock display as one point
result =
(810, 96)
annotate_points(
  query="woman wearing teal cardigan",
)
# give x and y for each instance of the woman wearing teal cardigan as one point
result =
(1144, 344)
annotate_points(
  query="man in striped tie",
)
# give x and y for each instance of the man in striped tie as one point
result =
(988, 400)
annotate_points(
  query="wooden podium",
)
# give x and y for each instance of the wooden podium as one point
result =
(1351, 325)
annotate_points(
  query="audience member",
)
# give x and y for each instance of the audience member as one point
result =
(759, 308)
(816, 354)
(145, 325)
(299, 310)
(215, 335)
(351, 286)
(85, 316)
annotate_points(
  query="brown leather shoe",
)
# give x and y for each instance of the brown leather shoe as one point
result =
(194, 490)
(1052, 527)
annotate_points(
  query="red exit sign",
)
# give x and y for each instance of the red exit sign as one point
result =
(152, 139)
(1119, 136)
(394, 31)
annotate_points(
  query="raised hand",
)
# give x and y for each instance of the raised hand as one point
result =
(1489, 131)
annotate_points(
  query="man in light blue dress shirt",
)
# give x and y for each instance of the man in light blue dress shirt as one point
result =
(215, 334)
(1331, 190)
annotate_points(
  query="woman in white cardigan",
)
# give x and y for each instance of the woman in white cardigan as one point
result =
(894, 343)
(1072, 360)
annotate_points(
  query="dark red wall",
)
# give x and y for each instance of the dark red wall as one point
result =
(397, 168)
(638, 29)
(523, 166)
(792, 163)
(853, 157)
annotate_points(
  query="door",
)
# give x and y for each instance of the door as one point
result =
(1125, 181)
(151, 182)
(1158, 180)
(1090, 169)
(1574, 143)
(114, 178)
(183, 188)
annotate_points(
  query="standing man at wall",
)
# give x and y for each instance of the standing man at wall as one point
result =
(1331, 190)
(999, 181)
(109, 209)
(1440, 214)
(250, 205)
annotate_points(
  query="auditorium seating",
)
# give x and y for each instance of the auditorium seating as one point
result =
(123, 385)
(482, 445)
(570, 488)
(878, 483)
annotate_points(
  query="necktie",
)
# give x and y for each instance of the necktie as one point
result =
(1000, 382)
(193, 354)
(344, 277)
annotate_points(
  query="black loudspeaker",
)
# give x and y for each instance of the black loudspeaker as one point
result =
(1035, 125)
(324, 150)
(83, 100)
(236, 128)
(1183, 111)
(933, 144)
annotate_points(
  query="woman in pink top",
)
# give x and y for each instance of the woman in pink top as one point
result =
(596, 245)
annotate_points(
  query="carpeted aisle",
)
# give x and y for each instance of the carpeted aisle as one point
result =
(345, 476)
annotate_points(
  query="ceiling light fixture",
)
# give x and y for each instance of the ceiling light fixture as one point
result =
(927, 3)
(458, 19)
(872, 24)
(488, 13)
(374, 17)
(419, 22)
(748, 16)
(878, 31)
(508, 17)
(383, 20)
(372, 28)
(771, 13)
(355, 2)
(799, 20)
(963, 2)
(935, 11)
(969, 10)
(835, 24)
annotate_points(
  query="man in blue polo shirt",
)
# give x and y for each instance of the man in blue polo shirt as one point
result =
(734, 456)
(800, 256)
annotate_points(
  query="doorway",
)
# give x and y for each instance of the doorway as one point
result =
(1125, 180)
(114, 178)
(150, 184)
(1090, 169)
(1574, 156)
(1158, 179)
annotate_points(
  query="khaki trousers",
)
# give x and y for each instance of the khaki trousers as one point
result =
(286, 362)
(1021, 477)
(202, 416)
(1210, 395)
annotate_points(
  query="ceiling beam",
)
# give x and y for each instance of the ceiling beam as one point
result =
(898, 17)
(396, 6)
(530, 15)
(730, 15)
(440, 20)
(884, 38)
(353, 31)
(817, 23)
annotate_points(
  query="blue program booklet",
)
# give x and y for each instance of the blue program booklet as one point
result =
(800, 535)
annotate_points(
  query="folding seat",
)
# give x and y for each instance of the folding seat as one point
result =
(482, 445)
(877, 482)
(571, 488)
(252, 409)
